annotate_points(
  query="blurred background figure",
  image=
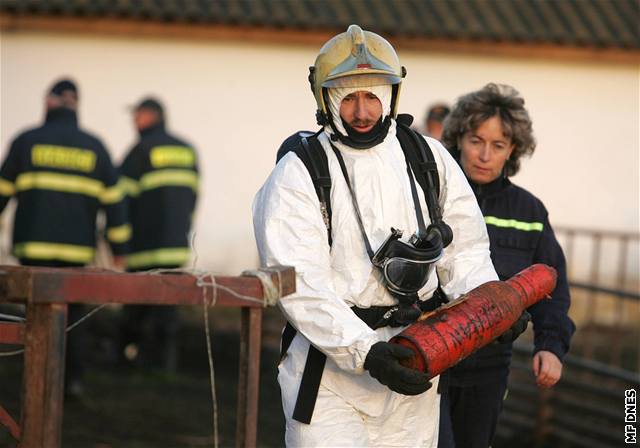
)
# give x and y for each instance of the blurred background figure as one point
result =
(61, 176)
(160, 178)
(487, 132)
(434, 118)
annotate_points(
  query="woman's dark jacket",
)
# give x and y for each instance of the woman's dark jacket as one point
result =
(520, 235)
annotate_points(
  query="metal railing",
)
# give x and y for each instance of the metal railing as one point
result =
(46, 293)
(585, 409)
(599, 241)
(602, 267)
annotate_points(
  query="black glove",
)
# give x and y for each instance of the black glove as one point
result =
(516, 329)
(383, 364)
(404, 315)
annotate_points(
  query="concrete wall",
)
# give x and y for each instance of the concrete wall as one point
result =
(237, 101)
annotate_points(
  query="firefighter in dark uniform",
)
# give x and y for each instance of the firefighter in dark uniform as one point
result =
(488, 131)
(160, 175)
(61, 177)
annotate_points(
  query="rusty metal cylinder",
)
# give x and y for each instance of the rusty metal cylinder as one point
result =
(455, 331)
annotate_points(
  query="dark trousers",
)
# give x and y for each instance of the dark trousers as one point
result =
(153, 330)
(469, 414)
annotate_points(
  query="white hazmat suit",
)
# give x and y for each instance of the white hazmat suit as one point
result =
(352, 408)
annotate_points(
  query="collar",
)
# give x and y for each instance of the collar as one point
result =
(338, 143)
(490, 189)
(152, 129)
(62, 115)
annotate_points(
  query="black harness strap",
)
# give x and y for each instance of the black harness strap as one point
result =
(356, 208)
(309, 386)
(312, 154)
(423, 164)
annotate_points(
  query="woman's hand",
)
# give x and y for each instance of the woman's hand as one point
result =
(547, 369)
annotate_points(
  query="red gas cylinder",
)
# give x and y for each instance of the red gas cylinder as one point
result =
(443, 338)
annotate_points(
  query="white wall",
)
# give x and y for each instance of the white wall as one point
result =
(236, 102)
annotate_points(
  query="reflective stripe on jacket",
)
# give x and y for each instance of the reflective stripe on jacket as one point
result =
(520, 235)
(61, 176)
(160, 178)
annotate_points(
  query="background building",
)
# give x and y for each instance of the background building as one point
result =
(233, 75)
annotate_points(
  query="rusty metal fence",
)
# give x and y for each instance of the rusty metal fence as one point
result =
(46, 293)
(604, 277)
(586, 408)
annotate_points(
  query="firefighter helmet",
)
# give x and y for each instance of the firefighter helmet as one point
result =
(352, 59)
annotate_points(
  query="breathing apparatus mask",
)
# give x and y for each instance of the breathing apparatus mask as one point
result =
(407, 266)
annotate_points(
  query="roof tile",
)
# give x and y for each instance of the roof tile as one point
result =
(595, 23)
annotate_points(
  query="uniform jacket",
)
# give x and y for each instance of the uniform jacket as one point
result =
(289, 230)
(160, 176)
(61, 176)
(520, 235)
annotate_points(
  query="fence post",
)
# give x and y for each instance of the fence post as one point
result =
(249, 377)
(591, 298)
(43, 377)
(615, 353)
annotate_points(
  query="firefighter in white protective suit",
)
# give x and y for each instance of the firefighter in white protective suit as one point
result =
(360, 279)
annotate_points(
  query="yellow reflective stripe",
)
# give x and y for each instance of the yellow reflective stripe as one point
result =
(169, 178)
(129, 186)
(67, 183)
(512, 223)
(119, 234)
(159, 257)
(54, 251)
(112, 195)
(171, 155)
(7, 188)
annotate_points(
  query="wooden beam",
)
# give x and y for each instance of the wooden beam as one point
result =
(166, 30)
(11, 333)
(43, 377)
(8, 422)
(308, 37)
(97, 286)
(47, 291)
(15, 283)
(249, 378)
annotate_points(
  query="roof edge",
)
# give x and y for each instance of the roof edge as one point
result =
(119, 27)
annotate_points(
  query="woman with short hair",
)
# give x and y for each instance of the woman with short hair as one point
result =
(488, 131)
